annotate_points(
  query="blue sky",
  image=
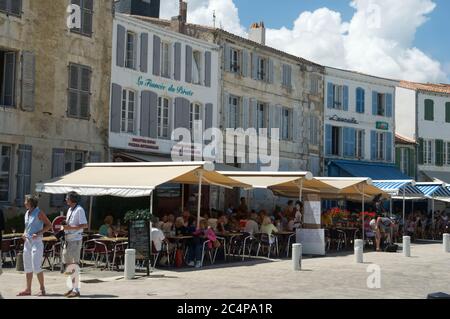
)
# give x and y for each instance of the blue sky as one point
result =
(433, 37)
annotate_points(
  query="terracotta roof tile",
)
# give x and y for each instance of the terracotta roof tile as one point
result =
(427, 87)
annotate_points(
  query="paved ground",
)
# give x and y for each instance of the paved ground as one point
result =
(428, 270)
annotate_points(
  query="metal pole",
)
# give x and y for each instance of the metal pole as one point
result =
(404, 220)
(432, 215)
(363, 214)
(150, 234)
(390, 215)
(200, 177)
(182, 197)
(300, 190)
(90, 213)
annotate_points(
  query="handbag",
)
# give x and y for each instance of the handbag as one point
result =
(216, 244)
(179, 258)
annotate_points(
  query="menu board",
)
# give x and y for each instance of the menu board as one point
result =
(312, 240)
(139, 238)
(312, 212)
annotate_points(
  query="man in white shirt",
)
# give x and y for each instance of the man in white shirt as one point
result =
(252, 226)
(157, 238)
(73, 229)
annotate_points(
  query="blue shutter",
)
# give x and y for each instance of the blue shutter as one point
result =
(255, 66)
(144, 52)
(373, 145)
(345, 98)
(330, 96)
(374, 102)
(360, 100)
(388, 105)
(389, 147)
(349, 142)
(328, 139)
(270, 78)
(245, 63)
(363, 101)
(57, 170)
(208, 69)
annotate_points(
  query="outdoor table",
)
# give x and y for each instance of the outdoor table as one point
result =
(282, 244)
(49, 238)
(12, 236)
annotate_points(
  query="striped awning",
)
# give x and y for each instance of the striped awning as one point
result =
(434, 189)
(399, 187)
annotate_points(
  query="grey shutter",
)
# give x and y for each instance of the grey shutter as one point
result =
(297, 123)
(254, 66)
(7, 95)
(182, 113)
(120, 46)
(116, 106)
(156, 55)
(86, 22)
(208, 68)
(135, 49)
(23, 173)
(149, 114)
(188, 76)
(144, 52)
(253, 112)
(226, 57)
(245, 113)
(57, 170)
(272, 123)
(270, 78)
(95, 157)
(289, 76)
(209, 115)
(226, 110)
(28, 81)
(177, 62)
(245, 63)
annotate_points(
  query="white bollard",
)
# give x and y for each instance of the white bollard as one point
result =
(446, 242)
(359, 251)
(297, 256)
(130, 264)
(406, 246)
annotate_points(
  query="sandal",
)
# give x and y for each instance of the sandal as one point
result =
(41, 293)
(24, 293)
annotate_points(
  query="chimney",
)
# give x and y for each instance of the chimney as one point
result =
(178, 23)
(258, 33)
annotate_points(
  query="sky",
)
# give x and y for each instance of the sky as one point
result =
(407, 39)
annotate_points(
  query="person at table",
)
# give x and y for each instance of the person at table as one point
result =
(252, 227)
(107, 228)
(298, 217)
(158, 238)
(268, 228)
(169, 224)
(201, 234)
(36, 224)
(186, 215)
(2, 228)
(289, 210)
(243, 208)
(223, 224)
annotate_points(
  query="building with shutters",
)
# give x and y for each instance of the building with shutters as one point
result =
(359, 125)
(54, 93)
(423, 116)
(406, 155)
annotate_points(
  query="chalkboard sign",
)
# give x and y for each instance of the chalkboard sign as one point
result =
(139, 239)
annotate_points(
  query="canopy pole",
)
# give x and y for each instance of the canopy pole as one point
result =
(149, 266)
(363, 209)
(182, 197)
(300, 187)
(200, 177)
(404, 220)
(390, 215)
(90, 212)
(432, 214)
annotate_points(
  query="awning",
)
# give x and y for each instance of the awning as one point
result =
(435, 176)
(133, 179)
(399, 188)
(375, 171)
(433, 190)
(352, 186)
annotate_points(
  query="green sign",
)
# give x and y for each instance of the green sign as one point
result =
(149, 83)
(382, 126)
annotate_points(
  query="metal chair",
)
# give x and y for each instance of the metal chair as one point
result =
(119, 253)
(269, 241)
(212, 252)
(88, 248)
(8, 250)
(248, 242)
(289, 244)
(101, 250)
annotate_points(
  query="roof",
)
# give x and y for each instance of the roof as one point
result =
(426, 87)
(206, 29)
(400, 139)
(393, 81)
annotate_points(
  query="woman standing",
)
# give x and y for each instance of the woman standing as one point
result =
(36, 224)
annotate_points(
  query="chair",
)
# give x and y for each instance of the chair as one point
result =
(269, 241)
(8, 250)
(88, 248)
(57, 254)
(289, 244)
(341, 239)
(119, 253)
(212, 252)
(101, 250)
(155, 254)
(327, 239)
(48, 253)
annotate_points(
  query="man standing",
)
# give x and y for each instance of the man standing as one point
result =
(2, 228)
(73, 229)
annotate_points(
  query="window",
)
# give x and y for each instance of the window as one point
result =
(261, 116)
(447, 112)
(79, 91)
(262, 69)
(286, 120)
(428, 151)
(447, 152)
(234, 112)
(235, 63)
(196, 67)
(336, 140)
(196, 115)
(359, 143)
(338, 97)
(429, 110)
(130, 56)
(165, 60)
(381, 104)
(163, 117)
(314, 84)
(5, 167)
(128, 111)
(314, 130)
(404, 161)
(360, 100)
(13, 7)
(287, 76)
(87, 7)
(7, 78)
(73, 160)
(380, 146)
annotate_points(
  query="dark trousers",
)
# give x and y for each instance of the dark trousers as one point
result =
(195, 249)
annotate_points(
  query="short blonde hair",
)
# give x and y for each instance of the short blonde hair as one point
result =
(109, 220)
(267, 220)
(32, 200)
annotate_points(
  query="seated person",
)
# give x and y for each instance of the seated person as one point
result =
(268, 228)
(158, 238)
(107, 229)
(169, 224)
(252, 226)
(201, 234)
(223, 224)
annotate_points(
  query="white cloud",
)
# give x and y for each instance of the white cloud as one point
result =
(377, 40)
